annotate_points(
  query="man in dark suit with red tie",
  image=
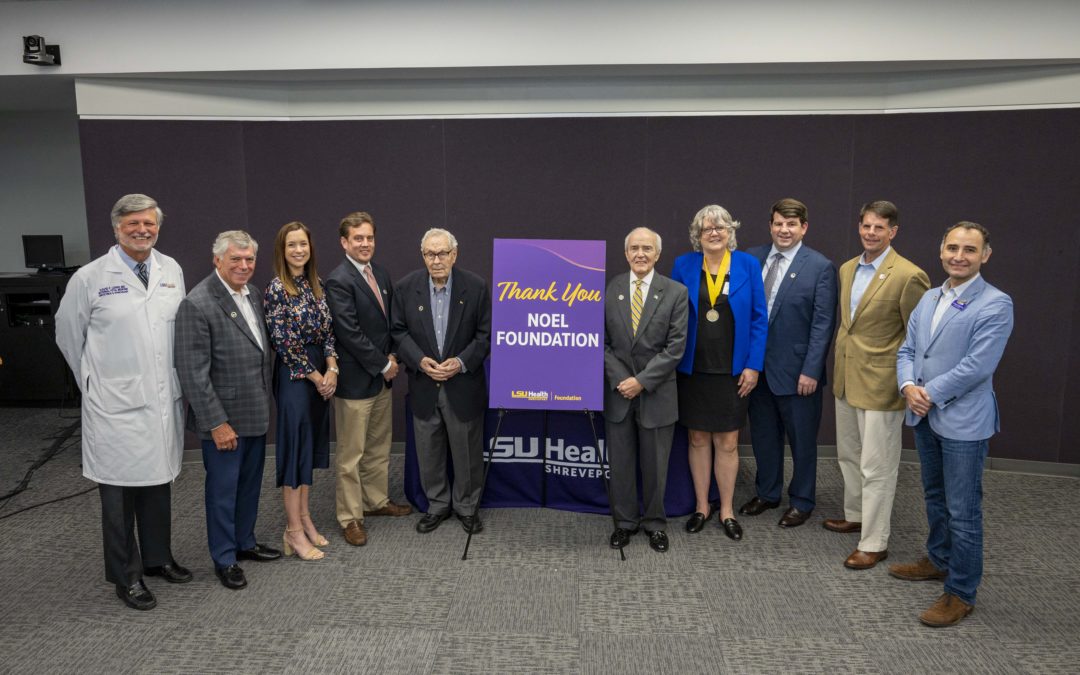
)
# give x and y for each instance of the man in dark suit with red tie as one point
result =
(800, 289)
(359, 294)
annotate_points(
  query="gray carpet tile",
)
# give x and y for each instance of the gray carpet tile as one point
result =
(962, 653)
(364, 650)
(1044, 657)
(760, 605)
(620, 601)
(541, 592)
(664, 651)
(526, 599)
(507, 651)
(811, 656)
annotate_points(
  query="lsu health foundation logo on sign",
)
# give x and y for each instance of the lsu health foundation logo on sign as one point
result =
(530, 395)
(547, 324)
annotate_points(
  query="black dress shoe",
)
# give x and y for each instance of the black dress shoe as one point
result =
(621, 537)
(471, 524)
(136, 596)
(173, 572)
(232, 577)
(756, 507)
(793, 517)
(429, 521)
(732, 528)
(658, 541)
(259, 553)
(696, 522)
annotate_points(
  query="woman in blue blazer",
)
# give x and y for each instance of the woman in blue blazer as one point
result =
(725, 351)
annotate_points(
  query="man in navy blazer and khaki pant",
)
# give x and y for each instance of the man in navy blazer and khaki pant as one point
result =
(945, 369)
(800, 288)
(223, 360)
(359, 294)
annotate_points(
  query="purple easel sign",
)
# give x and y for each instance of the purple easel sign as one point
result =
(547, 324)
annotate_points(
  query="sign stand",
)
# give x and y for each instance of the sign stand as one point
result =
(483, 481)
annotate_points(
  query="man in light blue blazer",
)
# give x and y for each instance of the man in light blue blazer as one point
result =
(800, 291)
(945, 370)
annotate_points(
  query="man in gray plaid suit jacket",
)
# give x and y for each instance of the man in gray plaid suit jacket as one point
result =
(223, 359)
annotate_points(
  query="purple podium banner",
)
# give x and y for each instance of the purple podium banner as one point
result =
(547, 325)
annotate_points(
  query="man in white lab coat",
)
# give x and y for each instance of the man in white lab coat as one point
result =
(115, 329)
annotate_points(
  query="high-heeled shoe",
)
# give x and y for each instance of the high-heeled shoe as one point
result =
(321, 541)
(312, 554)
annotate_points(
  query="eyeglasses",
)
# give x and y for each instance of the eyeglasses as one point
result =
(432, 256)
(711, 229)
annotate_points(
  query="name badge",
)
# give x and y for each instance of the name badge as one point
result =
(960, 304)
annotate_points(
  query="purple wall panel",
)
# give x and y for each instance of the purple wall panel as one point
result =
(1017, 173)
(1013, 171)
(576, 178)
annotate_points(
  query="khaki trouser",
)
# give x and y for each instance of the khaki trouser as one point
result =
(362, 455)
(868, 449)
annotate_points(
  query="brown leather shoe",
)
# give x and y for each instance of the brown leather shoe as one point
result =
(864, 560)
(793, 517)
(355, 533)
(920, 570)
(391, 509)
(842, 526)
(947, 611)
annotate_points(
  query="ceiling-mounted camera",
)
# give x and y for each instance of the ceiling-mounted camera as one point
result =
(36, 52)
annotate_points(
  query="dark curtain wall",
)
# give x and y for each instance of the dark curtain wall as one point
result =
(1017, 172)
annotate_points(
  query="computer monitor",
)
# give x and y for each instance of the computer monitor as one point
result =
(44, 251)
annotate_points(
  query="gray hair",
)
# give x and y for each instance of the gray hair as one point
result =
(438, 232)
(238, 238)
(133, 204)
(719, 215)
(659, 242)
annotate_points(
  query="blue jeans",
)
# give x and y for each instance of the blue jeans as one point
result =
(952, 484)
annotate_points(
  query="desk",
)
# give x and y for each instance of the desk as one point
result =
(34, 370)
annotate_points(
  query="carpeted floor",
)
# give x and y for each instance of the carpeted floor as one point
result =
(541, 592)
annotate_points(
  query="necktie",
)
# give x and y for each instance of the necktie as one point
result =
(374, 287)
(636, 303)
(770, 276)
(143, 274)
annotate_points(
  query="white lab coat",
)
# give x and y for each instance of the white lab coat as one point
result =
(117, 337)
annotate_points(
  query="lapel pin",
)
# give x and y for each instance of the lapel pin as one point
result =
(461, 302)
(792, 275)
(881, 276)
(620, 297)
(232, 315)
(656, 297)
(421, 308)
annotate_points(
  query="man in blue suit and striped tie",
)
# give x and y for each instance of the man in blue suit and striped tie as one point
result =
(800, 289)
(945, 369)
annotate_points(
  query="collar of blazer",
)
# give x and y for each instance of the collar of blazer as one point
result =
(459, 298)
(361, 283)
(970, 293)
(228, 305)
(883, 273)
(793, 270)
(656, 295)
